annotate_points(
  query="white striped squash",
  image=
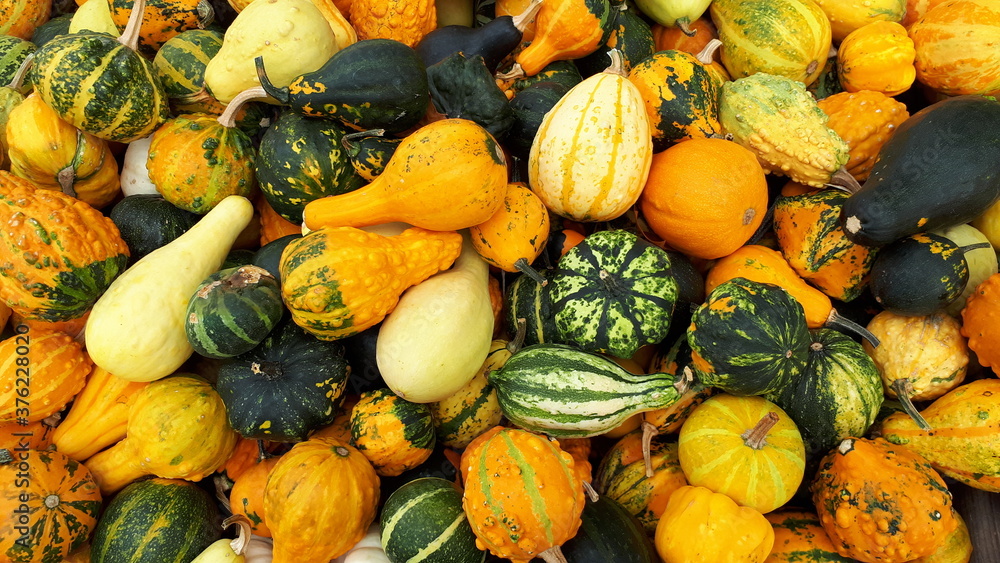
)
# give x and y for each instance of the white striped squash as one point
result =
(591, 156)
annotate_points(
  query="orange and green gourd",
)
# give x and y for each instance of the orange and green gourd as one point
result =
(799, 538)
(565, 30)
(394, 434)
(954, 47)
(162, 20)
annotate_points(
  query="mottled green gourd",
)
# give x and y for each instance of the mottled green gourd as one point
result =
(423, 520)
(13, 52)
(757, 110)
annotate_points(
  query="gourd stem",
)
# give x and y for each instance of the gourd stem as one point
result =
(649, 431)
(241, 541)
(228, 117)
(18, 79)
(514, 73)
(685, 25)
(707, 55)
(844, 181)
(522, 20)
(974, 246)
(67, 178)
(130, 35)
(553, 555)
(904, 388)
(617, 63)
(262, 452)
(591, 493)
(271, 371)
(206, 13)
(522, 266)
(836, 320)
(347, 140)
(756, 436)
(687, 378)
(280, 94)
(522, 330)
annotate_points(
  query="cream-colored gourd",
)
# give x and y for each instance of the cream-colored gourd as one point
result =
(93, 16)
(292, 36)
(134, 176)
(435, 340)
(679, 13)
(228, 550)
(136, 328)
(591, 156)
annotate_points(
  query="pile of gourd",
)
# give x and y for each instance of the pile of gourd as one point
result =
(570, 280)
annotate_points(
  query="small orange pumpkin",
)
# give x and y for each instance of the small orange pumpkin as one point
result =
(981, 322)
(956, 47)
(247, 495)
(50, 368)
(877, 56)
(673, 37)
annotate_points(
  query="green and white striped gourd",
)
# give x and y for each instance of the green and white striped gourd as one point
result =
(424, 521)
(613, 293)
(233, 311)
(527, 299)
(561, 391)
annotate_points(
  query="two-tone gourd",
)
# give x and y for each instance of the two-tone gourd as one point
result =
(566, 30)
(425, 518)
(162, 20)
(675, 13)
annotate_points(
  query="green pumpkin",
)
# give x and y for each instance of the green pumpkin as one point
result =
(608, 532)
(13, 52)
(527, 299)
(424, 521)
(529, 107)
(100, 86)
(919, 274)
(301, 159)
(286, 387)
(352, 87)
(837, 395)
(749, 338)
(180, 62)
(464, 88)
(613, 293)
(232, 311)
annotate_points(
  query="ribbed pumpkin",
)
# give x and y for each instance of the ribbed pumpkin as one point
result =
(319, 499)
(865, 121)
(40, 372)
(393, 433)
(979, 322)
(705, 197)
(58, 254)
(50, 503)
(522, 496)
(744, 447)
(799, 538)
(100, 84)
(789, 38)
(57, 156)
(877, 57)
(591, 155)
(882, 503)
(964, 437)
(180, 64)
(953, 47)
(20, 18)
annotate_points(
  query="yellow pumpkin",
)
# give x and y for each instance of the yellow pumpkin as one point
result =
(879, 57)
(849, 15)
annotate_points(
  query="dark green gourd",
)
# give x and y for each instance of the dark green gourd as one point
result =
(463, 88)
(492, 41)
(148, 221)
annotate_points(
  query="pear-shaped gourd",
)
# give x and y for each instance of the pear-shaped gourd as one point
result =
(136, 328)
(416, 351)
(669, 13)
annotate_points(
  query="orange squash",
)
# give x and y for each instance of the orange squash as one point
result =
(865, 121)
(849, 15)
(20, 17)
(247, 495)
(516, 234)
(272, 225)
(39, 374)
(393, 433)
(32, 436)
(673, 37)
(956, 549)
(916, 9)
(162, 19)
(445, 176)
(799, 538)
(878, 57)
(564, 30)
(956, 47)
(981, 322)
(705, 197)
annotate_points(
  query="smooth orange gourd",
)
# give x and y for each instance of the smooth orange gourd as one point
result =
(448, 175)
(564, 30)
(956, 47)
(878, 57)
(247, 495)
(516, 234)
(981, 322)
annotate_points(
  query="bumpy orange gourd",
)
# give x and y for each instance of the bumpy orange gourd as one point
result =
(865, 120)
(965, 435)
(448, 175)
(177, 429)
(247, 495)
(340, 281)
(522, 495)
(699, 525)
(564, 30)
(99, 415)
(705, 197)
(516, 234)
(406, 21)
(58, 156)
(981, 322)
(956, 47)
(882, 503)
(320, 499)
(799, 538)
(57, 254)
(956, 549)
(45, 370)
(878, 56)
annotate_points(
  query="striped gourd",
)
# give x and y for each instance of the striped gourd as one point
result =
(100, 84)
(614, 293)
(13, 52)
(232, 311)
(162, 19)
(19, 18)
(561, 391)
(424, 521)
(748, 338)
(393, 433)
(789, 38)
(591, 156)
(474, 408)
(527, 299)
(180, 62)
(163, 520)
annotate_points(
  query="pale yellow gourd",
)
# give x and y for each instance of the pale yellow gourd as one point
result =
(93, 15)
(292, 36)
(136, 328)
(228, 550)
(436, 339)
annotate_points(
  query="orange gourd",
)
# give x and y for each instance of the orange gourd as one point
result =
(320, 499)
(516, 234)
(956, 47)
(448, 175)
(39, 374)
(406, 21)
(162, 19)
(32, 436)
(705, 197)
(247, 495)
(879, 57)
(981, 322)
(99, 415)
(799, 538)
(666, 38)
(395, 435)
(564, 30)
(272, 225)
(865, 120)
(916, 9)
(20, 17)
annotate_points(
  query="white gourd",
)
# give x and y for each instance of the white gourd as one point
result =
(434, 341)
(670, 13)
(136, 328)
(367, 550)
(134, 175)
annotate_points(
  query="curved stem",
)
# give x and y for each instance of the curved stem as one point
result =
(904, 388)
(228, 117)
(836, 320)
(685, 25)
(591, 493)
(522, 330)
(241, 541)
(974, 246)
(522, 20)
(844, 181)
(756, 437)
(649, 431)
(347, 140)
(130, 35)
(522, 266)
(280, 94)
(67, 178)
(617, 63)
(553, 555)
(206, 13)
(707, 55)
(17, 81)
(514, 73)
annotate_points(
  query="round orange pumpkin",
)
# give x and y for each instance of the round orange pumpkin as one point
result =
(247, 495)
(956, 47)
(705, 197)
(50, 367)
